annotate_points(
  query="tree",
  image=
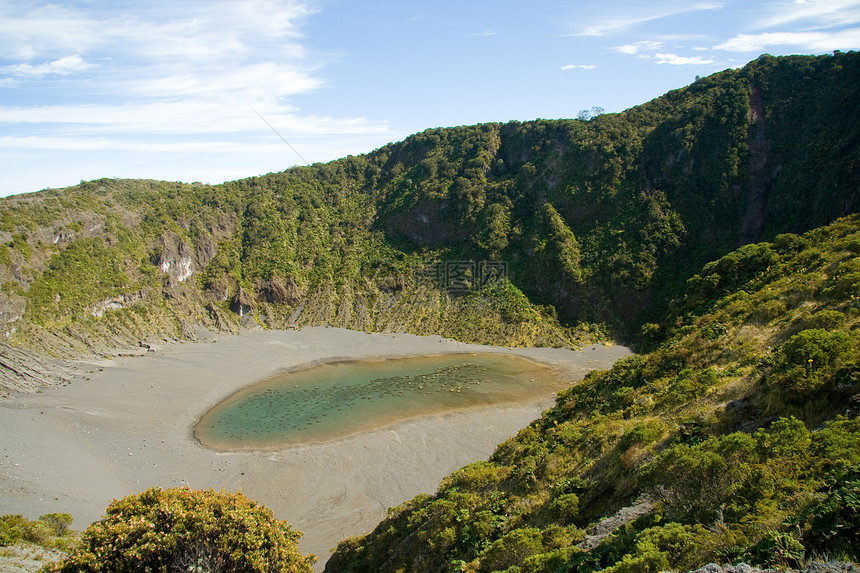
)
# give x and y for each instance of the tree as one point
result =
(589, 114)
(180, 529)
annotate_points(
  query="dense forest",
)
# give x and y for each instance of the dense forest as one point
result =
(707, 227)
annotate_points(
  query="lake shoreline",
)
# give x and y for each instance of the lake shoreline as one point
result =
(130, 426)
(333, 400)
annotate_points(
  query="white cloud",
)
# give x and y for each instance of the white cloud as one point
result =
(578, 67)
(677, 60)
(186, 118)
(30, 32)
(163, 71)
(804, 41)
(190, 29)
(106, 143)
(811, 13)
(484, 34)
(263, 80)
(633, 49)
(801, 25)
(63, 67)
(637, 14)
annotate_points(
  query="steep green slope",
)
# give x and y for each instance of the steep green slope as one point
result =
(537, 233)
(736, 437)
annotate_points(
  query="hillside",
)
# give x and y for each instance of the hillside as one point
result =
(592, 226)
(736, 438)
(712, 226)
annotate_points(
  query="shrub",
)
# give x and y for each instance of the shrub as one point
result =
(827, 319)
(768, 311)
(187, 530)
(789, 243)
(566, 507)
(778, 549)
(44, 531)
(551, 561)
(666, 547)
(512, 549)
(815, 347)
(697, 482)
(58, 522)
(643, 433)
(835, 518)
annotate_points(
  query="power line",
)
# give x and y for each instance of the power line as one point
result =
(281, 136)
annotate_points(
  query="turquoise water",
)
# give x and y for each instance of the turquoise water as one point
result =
(342, 398)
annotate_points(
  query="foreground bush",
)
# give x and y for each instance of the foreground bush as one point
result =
(180, 529)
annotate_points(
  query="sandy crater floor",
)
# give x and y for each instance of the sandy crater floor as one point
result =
(129, 427)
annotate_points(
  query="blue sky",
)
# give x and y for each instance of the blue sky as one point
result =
(188, 90)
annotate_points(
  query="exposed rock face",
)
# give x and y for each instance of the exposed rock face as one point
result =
(243, 303)
(115, 303)
(813, 567)
(25, 371)
(179, 260)
(279, 291)
(12, 308)
(625, 515)
(176, 259)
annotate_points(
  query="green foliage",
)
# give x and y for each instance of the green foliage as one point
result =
(698, 482)
(19, 243)
(511, 549)
(50, 530)
(835, 517)
(679, 221)
(183, 529)
(77, 277)
(58, 522)
(778, 549)
(712, 424)
(565, 507)
(814, 360)
(816, 348)
(669, 546)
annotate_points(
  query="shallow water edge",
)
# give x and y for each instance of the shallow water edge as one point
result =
(339, 398)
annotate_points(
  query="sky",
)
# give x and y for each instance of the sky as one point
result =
(218, 90)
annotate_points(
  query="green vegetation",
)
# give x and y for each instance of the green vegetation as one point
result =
(733, 427)
(187, 530)
(703, 226)
(600, 222)
(49, 531)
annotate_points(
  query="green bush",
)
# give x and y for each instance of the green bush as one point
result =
(58, 522)
(181, 529)
(826, 319)
(643, 433)
(565, 507)
(815, 348)
(48, 531)
(696, 483)
(671, 546)
(511, 549)
(768, 311)
(778, 549)
(835, 517)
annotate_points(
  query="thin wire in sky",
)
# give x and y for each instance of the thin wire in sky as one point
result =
(281, 136)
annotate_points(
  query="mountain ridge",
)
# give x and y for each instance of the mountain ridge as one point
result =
(590, 218)
(714, 226)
